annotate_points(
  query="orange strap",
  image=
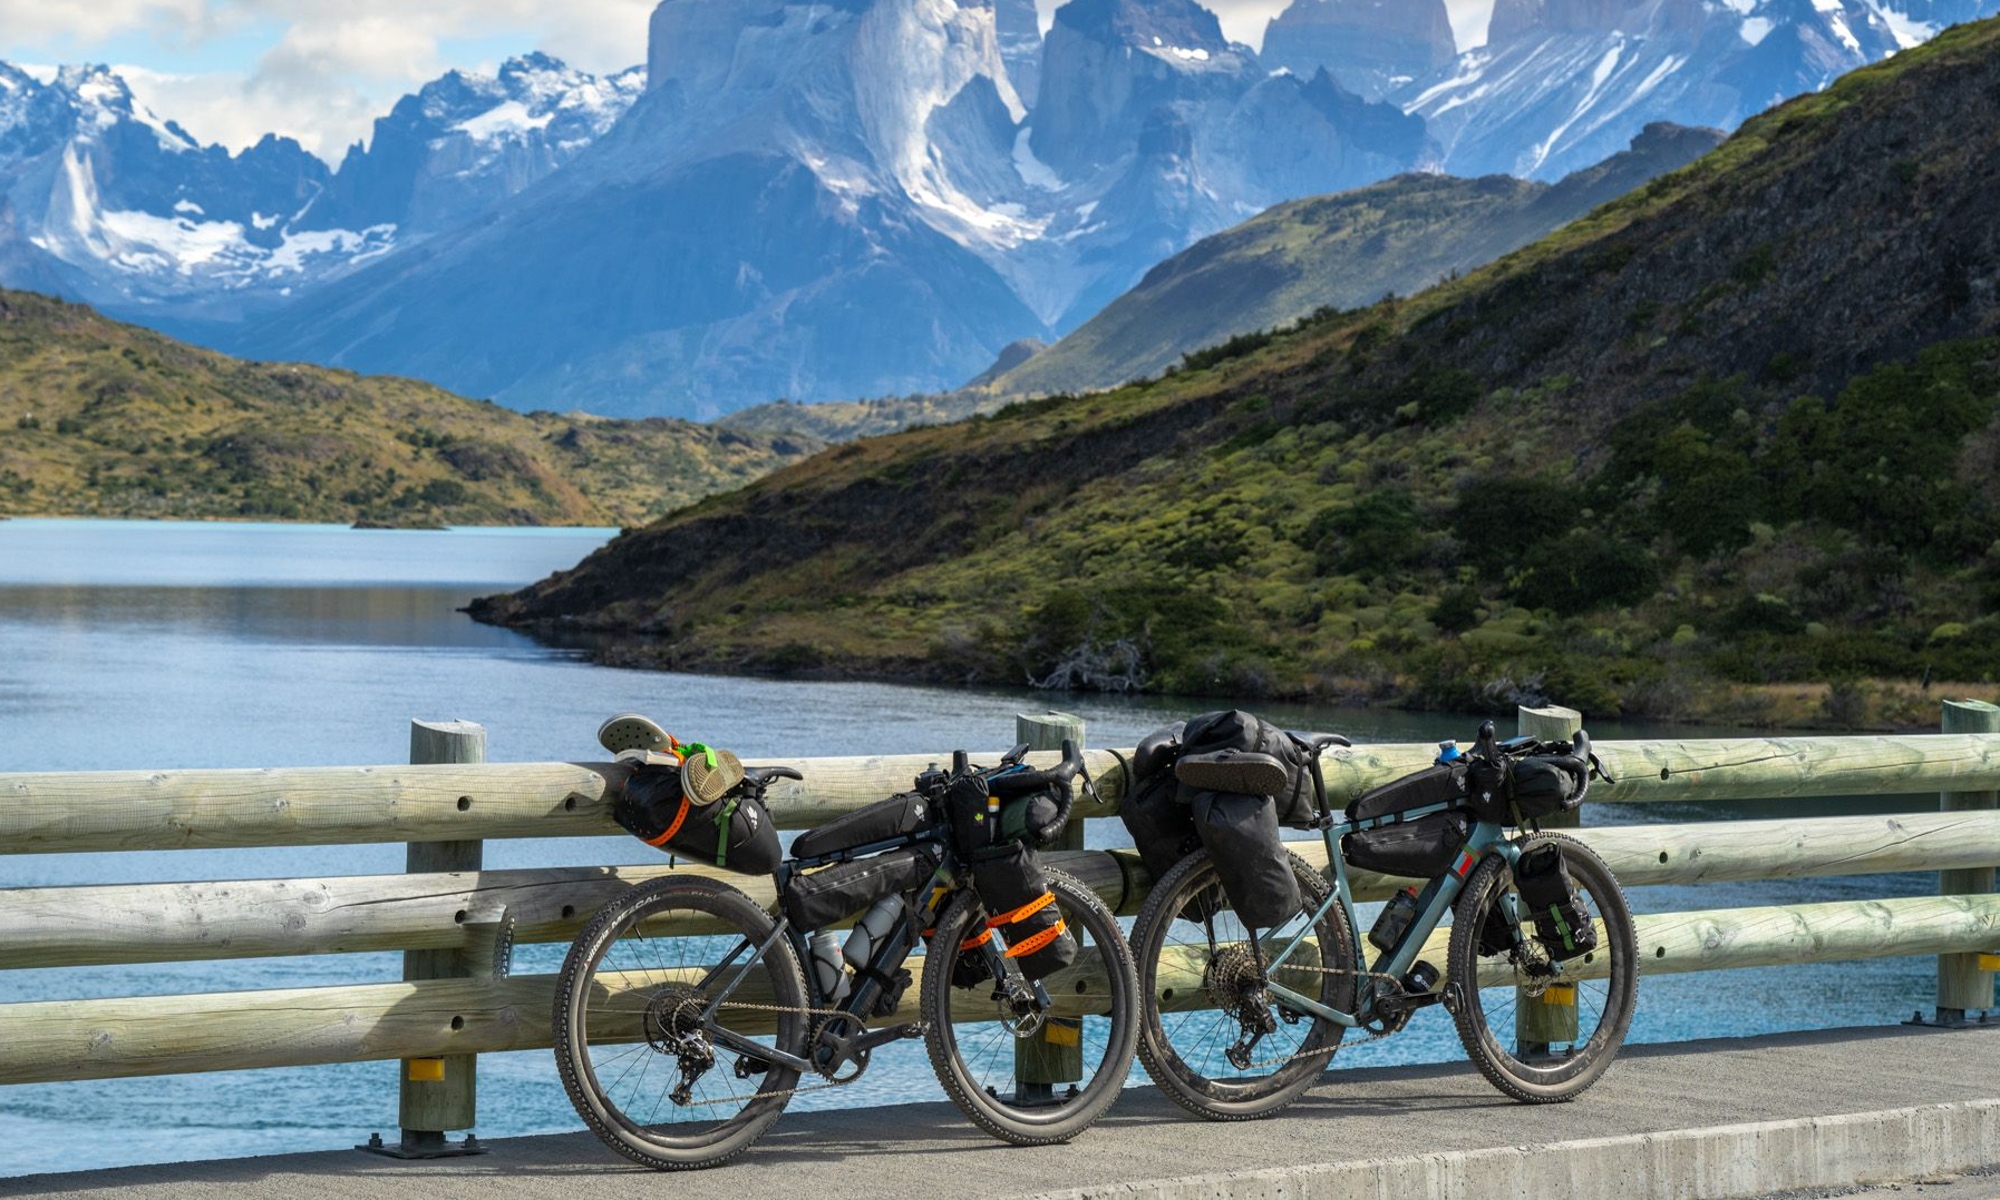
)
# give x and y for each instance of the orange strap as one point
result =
(985, 936)
(1024, 912)
(1031, 944)
(672, 829)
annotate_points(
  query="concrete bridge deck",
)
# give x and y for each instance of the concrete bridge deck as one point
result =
(1727, 1117)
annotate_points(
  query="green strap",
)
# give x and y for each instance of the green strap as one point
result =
(722, 814)
(688, 751)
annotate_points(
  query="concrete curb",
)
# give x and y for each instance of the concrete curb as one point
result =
(1682, 1164)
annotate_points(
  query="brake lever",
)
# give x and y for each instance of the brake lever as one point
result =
(1597, 765)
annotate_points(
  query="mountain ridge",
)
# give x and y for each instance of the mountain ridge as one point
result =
(1722, 434)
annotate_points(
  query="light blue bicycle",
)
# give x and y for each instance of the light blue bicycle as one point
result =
(1239, 1022)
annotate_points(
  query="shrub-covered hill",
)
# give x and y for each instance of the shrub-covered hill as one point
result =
(1734, 429)
(1394, 237)
(99, 418)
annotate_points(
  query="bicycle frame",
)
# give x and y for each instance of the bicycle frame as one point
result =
(868, 986)
(1434, 901)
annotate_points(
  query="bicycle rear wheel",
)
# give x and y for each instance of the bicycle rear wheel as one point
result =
(1515, 1020)
(1204, 994)
(1048, 1078)
(643, 1066)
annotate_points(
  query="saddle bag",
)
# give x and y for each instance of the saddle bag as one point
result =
(1296, 802)
(821, 899)
(1550, 897)
(1020, 906)
(733, 833)
(1419, 849)
(1241, 835)
(885, 820)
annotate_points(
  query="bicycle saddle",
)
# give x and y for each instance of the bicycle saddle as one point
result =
(1318, 741)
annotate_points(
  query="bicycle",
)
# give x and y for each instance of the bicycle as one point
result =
(1238, 1024)
(680, 1051)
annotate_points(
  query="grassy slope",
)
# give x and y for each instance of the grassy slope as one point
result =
(1340, 251)
(103, 419)
(1661, 461)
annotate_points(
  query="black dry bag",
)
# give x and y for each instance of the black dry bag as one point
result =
(1241, 835)
(733, 833)
(1023, 910)
(1550, 897)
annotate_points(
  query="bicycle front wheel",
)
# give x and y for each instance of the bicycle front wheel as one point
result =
(1046, 1078)
(659, 1008)
(1542, 1037)
(1214, 1038)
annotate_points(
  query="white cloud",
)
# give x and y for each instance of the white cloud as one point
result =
(335, 64)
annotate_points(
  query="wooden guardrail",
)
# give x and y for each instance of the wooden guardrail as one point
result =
(437, 1013)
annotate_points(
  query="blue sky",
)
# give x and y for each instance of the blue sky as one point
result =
(322, 70)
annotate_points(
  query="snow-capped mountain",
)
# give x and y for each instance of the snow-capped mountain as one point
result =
(1563, 83)
(467, 140)
(817, 202)
(108, 202)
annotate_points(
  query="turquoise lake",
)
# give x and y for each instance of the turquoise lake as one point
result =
(130, 644)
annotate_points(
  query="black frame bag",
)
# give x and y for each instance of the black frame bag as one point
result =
(1551, 899)
(899, 816)
(821, 899)
(1243, 842)
(734, 833)
(1021, 906)
(1419, 849)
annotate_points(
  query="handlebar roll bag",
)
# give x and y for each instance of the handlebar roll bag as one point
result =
(1549, 894)
(734, 833)
(1512, 790)
(885, 820)
(1023, 911)
(1242, 839)
(820, 899)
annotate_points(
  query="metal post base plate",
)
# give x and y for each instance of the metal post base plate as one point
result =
(417, 1143)
(1955, 1018)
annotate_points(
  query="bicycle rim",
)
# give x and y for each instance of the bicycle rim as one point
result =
(638, 1057)
(1537, 1040)
(1049, 1079)
(1200, 983)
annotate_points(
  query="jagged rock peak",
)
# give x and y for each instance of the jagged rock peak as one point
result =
(1371, 46)
(1156, 25)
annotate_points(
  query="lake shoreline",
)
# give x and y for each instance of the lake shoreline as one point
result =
(1848, 706)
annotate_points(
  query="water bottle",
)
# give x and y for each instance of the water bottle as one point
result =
(872, 930)
(826, 966)
(1396, 917)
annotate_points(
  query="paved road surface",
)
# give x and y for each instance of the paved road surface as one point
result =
(928, 1150)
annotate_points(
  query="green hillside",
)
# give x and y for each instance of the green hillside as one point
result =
(103, 419)
(1722, 449)
(1339, 251)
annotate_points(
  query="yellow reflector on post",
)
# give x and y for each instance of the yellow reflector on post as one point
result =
(424, 1070)
(1989, 962)
(1059, 1032)
(1559, 993)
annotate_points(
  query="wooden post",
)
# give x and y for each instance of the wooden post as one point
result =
(1055, 1054)
(1539, 1023)
(441, 1093)
(1962, 986)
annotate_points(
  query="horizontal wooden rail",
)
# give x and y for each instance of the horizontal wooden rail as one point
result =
(171, 922)
(157, 1035)
(156, 810)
